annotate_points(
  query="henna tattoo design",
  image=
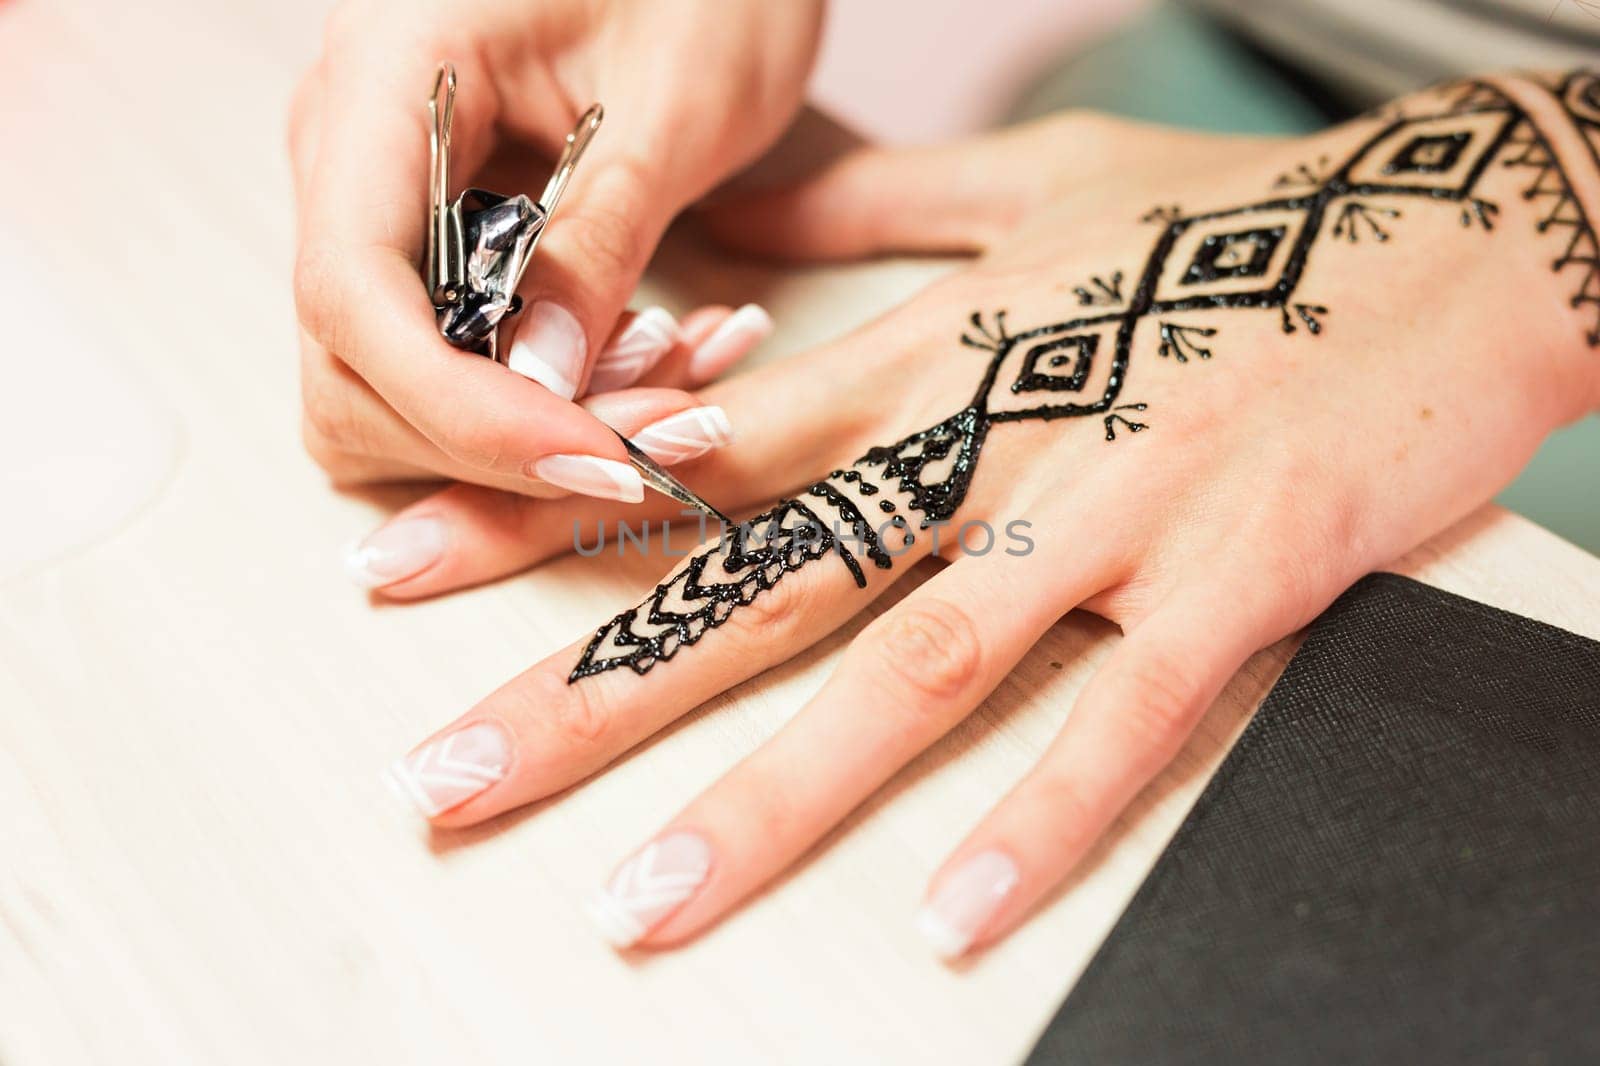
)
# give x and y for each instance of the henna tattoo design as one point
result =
(1354, 213)
(705, 593)
(1245, 258)
(1115, 416)
(1304, 175)
(1100, 292)
(1307, 313)
(1580, 99)
(1179, 341)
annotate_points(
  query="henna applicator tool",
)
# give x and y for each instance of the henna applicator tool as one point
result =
(480, 244)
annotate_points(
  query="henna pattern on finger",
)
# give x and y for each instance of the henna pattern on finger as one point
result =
(748, 560)
(1244, 258)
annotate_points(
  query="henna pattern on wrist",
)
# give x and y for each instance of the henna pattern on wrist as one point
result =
(1243, 258)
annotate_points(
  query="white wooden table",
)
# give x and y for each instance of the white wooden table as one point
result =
(198, 862)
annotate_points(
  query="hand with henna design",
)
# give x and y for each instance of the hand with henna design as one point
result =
(1206, 452)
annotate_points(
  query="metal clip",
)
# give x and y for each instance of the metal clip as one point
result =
(479, 246)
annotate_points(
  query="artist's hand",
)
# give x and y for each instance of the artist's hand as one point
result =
(1211, 422)
(693, 91)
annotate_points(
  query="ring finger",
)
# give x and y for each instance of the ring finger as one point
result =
(905, 681)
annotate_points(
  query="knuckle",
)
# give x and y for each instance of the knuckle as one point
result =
(774, 613)
(344, 469)
(606, 233)
(931, 650)
(1074, 815)
(576, 715)
(1291, 549)
(319, 447)
(777, 817)
(326, 417)
(1285, 568)
(603, 240)
(581, 717)
(1159, 701)
(478, 445)
(317, 281)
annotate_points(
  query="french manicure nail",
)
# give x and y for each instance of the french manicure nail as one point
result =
(393, 552)
(650, 335)
(966, 901)
(649, 887)
(452, 769)
(591, 476)
(685, 435)
(549, 349)
(741, 331)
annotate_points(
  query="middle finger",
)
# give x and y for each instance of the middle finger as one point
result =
(769, 588)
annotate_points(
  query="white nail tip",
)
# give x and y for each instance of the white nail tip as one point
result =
(591, 475)
(618, 928)
(686, 435)
(750, 320)
(397, 775)
(650, 335)
(966, 902)
(742, 330)
(650, 887)
(749, 323)
(549, 349)
(947, 943)
(358, 566)
(451, 770)
(526, 362)
(652, 331)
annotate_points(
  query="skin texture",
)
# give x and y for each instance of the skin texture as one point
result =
(1276, 463)
(385, 397)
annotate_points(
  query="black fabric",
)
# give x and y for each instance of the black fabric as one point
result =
(1398, 863)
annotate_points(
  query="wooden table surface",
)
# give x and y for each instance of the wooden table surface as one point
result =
(198, 861)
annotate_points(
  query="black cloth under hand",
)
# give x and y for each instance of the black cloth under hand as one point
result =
(1398, 863)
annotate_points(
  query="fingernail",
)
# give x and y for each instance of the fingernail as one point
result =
(650, 335)
(452, 769)
(549, 349)
(685, 435)
(966, 901)
(742, 330)
(396, 551)
(591, 476)
(650, 887)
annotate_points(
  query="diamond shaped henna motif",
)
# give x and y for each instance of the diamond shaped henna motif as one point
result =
(1250, 257)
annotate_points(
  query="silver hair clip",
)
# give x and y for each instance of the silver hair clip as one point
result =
(479, 247)
(480, 244)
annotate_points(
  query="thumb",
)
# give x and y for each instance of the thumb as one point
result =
(588, 263)
(956, 197)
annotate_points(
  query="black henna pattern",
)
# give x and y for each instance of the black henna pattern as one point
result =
(1580, 99)
(748, 560)
(1244, 258)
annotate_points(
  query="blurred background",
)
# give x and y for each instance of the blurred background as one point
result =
(1247, 66)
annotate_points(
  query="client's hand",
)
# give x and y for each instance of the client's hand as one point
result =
(1199, 396)
(693, 92)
